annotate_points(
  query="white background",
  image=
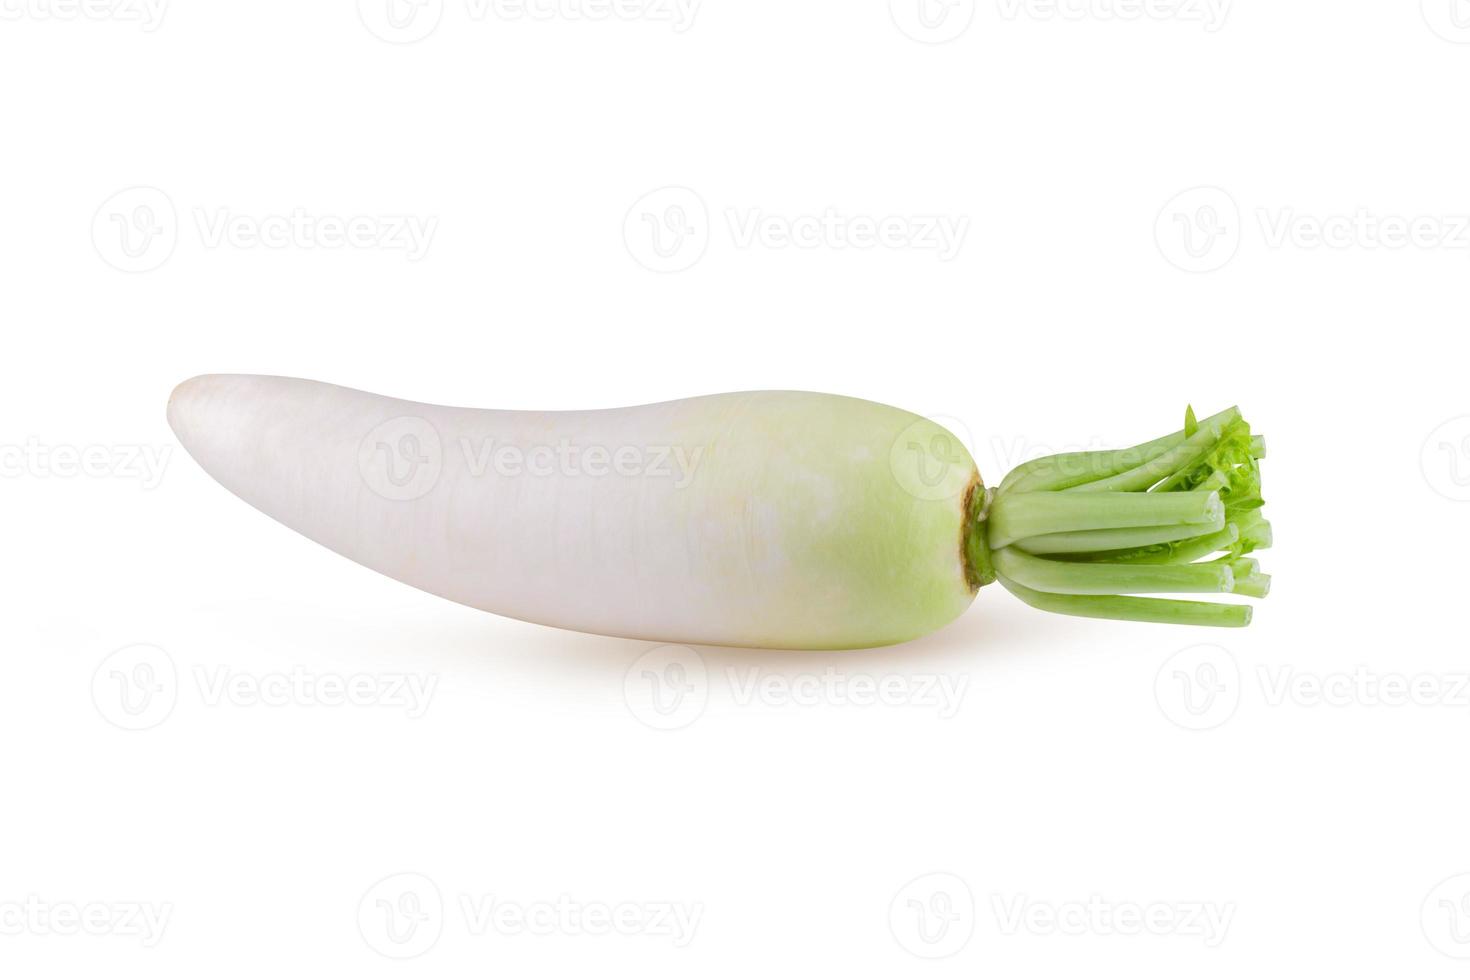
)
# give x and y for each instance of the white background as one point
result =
(1093, 294)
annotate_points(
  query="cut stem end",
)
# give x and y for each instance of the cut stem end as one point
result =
(1114, 525)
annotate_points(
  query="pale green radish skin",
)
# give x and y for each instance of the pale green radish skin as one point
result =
(804, 521)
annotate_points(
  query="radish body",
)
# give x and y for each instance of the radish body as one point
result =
(768, 519)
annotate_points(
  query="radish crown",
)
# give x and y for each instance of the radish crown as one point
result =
(1084, 533)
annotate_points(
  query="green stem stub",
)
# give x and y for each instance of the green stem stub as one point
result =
(979, 569)
(1085, 534)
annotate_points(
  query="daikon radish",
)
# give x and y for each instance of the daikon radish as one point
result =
(777, 519)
